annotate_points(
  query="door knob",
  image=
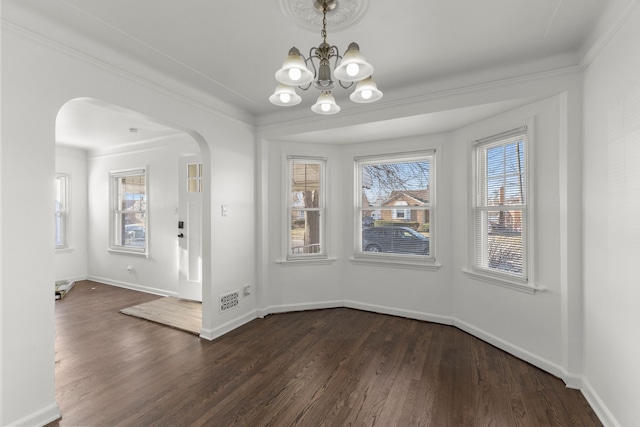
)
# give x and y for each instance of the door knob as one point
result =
(181, 235)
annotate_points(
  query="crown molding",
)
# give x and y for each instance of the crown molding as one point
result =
(222, 110)
(266, 130)
(603, 40)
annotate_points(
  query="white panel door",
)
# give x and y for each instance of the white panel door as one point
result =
(190, 228)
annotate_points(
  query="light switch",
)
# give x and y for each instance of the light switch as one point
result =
(223, 210)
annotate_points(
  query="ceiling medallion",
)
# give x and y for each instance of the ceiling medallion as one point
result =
(308, 16)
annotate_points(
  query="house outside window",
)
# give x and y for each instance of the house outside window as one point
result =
(62, 212)
(306, 207)
(394, 210)
(129, 230)
(501, 205)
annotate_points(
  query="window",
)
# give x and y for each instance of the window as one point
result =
(306, 207)
(61, 212)
(194, 178)
(129, 211)
(394, 212)
(500, 211)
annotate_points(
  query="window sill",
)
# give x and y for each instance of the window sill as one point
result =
(390, 261)
(65, 249)
(518, 285)
(128, 252)
(306, 261)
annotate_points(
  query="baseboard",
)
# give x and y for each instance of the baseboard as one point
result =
(286, 308)
(409, 314)
(133, 286)
(598, 406)
(519, 352)
(212, 334)
(39, 418)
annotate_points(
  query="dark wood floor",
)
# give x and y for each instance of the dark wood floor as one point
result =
(317, 368)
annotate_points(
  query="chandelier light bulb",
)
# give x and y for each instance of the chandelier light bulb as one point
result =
(326, 104)
(353, 69)
(295, 74)
(366, 91)
(285, 98)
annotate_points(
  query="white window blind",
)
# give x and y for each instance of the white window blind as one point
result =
(500, 217)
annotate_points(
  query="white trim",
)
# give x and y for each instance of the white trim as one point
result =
(503, 280)
(603, 40)
(221, 110)
(409, 314)
(288, 160)
(287, 308)
(520, 353)
(395, 261)
(133, 286)
(411, 261)
(113, 203)
(598, 406)
(212, 334)
(40, 417)
(526, 281)
(306, 261)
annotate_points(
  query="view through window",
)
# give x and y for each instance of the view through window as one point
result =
(394, 209)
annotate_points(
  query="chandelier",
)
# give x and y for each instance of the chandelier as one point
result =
(315, 71)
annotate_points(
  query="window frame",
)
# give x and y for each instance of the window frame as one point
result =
(289, 255)
(523, 281)
(64, 213)
(114, 202)
(428, 262)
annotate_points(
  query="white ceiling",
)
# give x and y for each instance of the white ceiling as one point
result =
(229, 50)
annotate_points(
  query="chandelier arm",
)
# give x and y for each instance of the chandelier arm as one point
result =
(313, 53)
(343, 86)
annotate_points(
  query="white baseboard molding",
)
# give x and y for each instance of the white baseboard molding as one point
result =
(39, 418)
(598, 406)
(212, 334)
(520, 353)
(133, 286)
(286, 308)
(409, 314)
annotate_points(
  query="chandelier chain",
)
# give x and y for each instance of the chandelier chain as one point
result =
(323, 33)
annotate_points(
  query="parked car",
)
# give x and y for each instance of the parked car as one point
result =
(368, 221)
(398, 240)
(135, 235)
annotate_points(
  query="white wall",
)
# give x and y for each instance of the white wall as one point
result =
(525, 324)
(611, 226)
(296, 286)
(415, 293)
(38, 77)
(71, 262)
(157, 273)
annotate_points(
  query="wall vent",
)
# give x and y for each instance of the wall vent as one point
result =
(229, 300)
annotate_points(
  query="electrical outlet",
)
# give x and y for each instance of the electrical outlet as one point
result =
(247, 290)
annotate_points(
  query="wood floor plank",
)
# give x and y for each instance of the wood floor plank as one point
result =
(317, 368)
